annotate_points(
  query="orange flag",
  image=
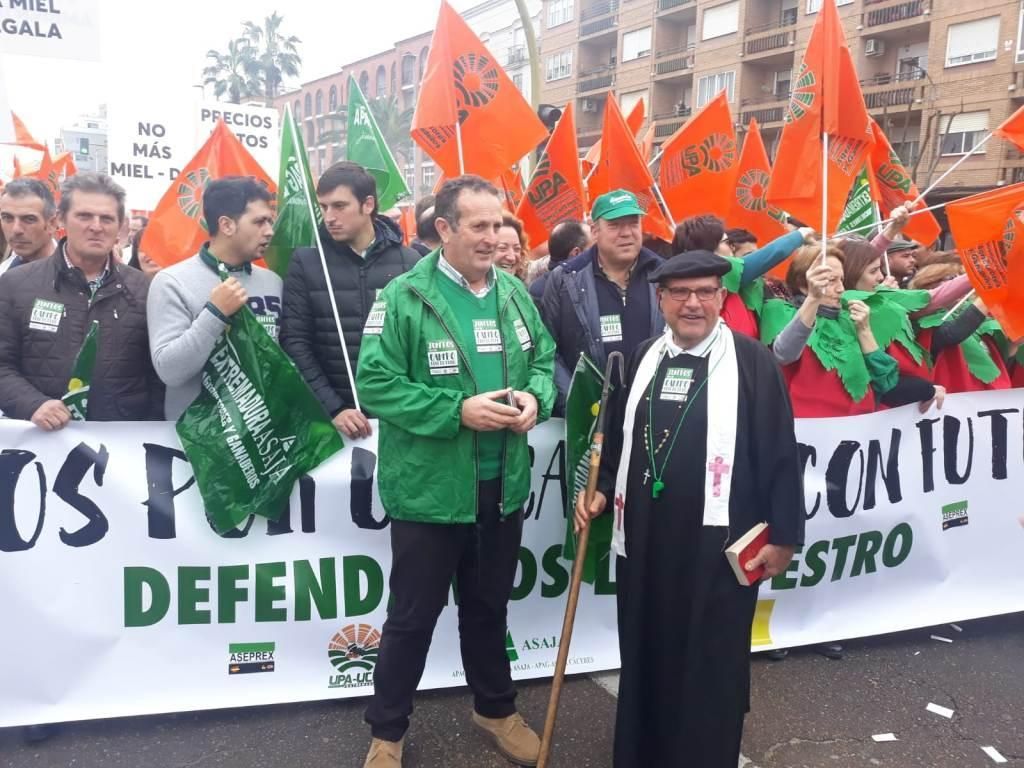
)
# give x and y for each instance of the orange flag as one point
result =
(555, 193)
(45, 172)
(465, 86)
(1012, 129)
(634, 120)
(826, 99)
(749, 208)
(699, 163)
(989, 233)
(646, 144)
(408, 223)
(177, 229)
(894, 187)
(64, 165)
(621, 167)
(22, 135)
(510, 184)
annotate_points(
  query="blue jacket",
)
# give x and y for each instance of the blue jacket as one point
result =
(570, 312)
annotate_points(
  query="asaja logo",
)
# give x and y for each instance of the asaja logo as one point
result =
(802, 98)
(476, 80)
(245, 658)
(190, 193)
(353, 653)
(510, 647)
(954, 515)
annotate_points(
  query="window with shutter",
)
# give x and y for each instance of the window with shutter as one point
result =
(721, 20)
(972, 41)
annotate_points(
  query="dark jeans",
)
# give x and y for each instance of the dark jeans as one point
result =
(482, 557)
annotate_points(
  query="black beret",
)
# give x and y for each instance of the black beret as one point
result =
(691, 264)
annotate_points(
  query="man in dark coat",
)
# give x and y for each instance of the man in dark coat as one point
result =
(364, 252)
(700, 449)
(47, 308)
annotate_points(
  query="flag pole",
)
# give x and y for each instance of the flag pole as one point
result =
(885, 222)
(458, 141)
(663, 205)
(970, 295)
(952, 168)
(824, 196)
(657, 155)
(308, 194)
(885, 254)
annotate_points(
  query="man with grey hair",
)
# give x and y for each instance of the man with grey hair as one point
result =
(28, 217)
(49, 306)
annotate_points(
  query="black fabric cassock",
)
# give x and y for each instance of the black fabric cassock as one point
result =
(684, 621)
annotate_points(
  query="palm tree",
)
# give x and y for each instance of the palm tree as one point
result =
(395, 125)
(275, 55)
(232, 73)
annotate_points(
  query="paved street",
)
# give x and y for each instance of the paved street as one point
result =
(808, 712)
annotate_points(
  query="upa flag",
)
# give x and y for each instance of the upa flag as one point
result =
(621, 167)
(177, 229)
(510, 184)
(298, 214)
(989, 234)
(826, 99)
(893, 187)
(464, 86)
(555, 193)
(365, 145)
(699, 163)
(634, 120)
(749, 208)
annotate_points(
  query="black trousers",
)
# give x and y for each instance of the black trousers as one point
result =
(482, 558)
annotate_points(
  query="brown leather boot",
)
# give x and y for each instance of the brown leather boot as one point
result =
(512, 736)
(384, 754)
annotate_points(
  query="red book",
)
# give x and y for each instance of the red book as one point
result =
(745, 549)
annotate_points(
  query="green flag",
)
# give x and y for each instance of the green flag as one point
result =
(77, 397)
(581, 406)
(298, 214)
(860, 209)
(365, 145)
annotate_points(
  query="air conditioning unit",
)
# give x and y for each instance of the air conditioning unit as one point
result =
(874, 47)
(590, 105)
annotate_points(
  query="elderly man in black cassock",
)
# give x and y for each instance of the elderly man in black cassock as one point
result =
(699, 448)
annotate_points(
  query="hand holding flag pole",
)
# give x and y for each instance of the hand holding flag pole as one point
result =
(615, 361)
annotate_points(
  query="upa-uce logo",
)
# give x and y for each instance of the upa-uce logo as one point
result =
(353, 654)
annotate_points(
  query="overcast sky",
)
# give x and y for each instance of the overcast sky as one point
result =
(159, 47)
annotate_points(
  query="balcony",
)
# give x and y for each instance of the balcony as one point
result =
(674, 61)
(516, 56)
(894, 12)
(884, 91)
(672, 5)
(768, 41)
(598, 79)
(599, 27)
(766, 109)
(598, 9)
(668, 123)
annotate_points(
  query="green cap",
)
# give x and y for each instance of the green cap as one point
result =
(615, 205)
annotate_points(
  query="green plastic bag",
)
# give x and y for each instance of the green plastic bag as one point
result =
(77, 397)
(254, 429)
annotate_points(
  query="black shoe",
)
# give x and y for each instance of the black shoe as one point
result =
(778, 654)
(832, 651)
(34, 734)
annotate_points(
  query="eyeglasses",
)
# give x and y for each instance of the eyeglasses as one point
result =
(704, 294)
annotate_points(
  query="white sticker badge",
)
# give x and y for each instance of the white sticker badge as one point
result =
(523, 334)
(375, 320)
(611, 328)
(46, 315)
(485, 333)
(442, 358)
(676, 386)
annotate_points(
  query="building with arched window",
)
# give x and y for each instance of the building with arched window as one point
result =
(382, 82)
(319, 102)
(332, 99)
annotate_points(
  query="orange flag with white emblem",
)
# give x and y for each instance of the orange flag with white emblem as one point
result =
(698, 167)
(749, 208)
(989, 234)
(893, 186)
(465, 90)
(176, 229)
(555, 193)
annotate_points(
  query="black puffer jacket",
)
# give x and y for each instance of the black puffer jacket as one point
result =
(308, 332)
(45, 313)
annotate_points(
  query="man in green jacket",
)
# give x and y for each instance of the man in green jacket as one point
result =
(447, 348)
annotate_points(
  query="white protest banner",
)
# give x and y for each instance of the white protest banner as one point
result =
(149, 142)
(113, 578)
(257, 128)
(57, 29)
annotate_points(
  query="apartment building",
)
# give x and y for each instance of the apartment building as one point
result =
(936, 74)
(319, 105)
